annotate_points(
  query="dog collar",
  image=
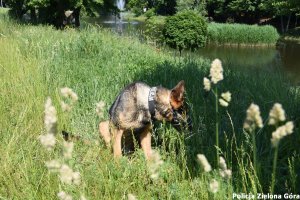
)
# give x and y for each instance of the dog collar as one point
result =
(151, 101)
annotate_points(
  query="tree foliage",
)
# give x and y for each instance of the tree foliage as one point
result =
(162, 7)
(195, 5)
(185, 30)
(53, 11)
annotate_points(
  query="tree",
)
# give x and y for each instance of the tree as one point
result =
(162, 7)
(195, 5)
(185, 30)
(54, 11)
(137, 6)
(285, 10)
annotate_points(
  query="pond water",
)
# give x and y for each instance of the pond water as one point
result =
(285, 57)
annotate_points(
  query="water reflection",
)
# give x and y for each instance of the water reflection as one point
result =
(118, 24)
(290, 57)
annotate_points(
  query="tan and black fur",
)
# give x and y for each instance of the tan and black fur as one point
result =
(130, 114)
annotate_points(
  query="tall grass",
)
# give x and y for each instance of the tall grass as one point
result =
(241, 34)
(36, 61)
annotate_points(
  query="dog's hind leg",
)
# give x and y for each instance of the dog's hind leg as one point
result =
(104, 132)
(145, 138)
(117, 145)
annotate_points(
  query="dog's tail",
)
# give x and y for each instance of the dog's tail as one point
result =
(71, 137)
(104, 131)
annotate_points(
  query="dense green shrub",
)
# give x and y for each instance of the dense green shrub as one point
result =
(154, 29)
(150, 13)
(241, 34)
(137, 6)
(185, 30)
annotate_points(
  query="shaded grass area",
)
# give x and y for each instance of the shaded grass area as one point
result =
(35, 61)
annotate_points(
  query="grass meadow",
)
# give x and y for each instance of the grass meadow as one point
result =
(36, 61)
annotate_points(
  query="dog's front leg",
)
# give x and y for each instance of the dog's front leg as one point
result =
(117, 146)
(146, 142)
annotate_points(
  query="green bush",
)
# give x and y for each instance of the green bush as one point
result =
(241, 34)
(150, 13)
(154, 29)
(185, 30)
(137, 6)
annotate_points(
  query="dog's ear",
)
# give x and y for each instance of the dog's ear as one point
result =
(176, 98)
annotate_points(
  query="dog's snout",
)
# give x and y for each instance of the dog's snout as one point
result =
(182, 121)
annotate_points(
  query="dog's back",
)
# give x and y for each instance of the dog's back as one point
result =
(130, 109)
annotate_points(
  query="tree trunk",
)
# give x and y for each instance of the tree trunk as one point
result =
(59, 21)
(33, 15)
(296, 21)
(282, 26)
(288, 23)
(76, 14)
(1, 3)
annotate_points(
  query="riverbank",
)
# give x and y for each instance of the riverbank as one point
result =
(36, 61)
(292, 35)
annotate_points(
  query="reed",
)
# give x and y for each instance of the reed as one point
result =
(242, 34)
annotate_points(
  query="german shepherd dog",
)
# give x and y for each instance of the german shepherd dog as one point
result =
(136, 107)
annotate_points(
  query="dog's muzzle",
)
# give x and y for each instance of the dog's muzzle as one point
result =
(182, 122)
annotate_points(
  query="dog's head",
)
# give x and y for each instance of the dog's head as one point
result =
(170, 106)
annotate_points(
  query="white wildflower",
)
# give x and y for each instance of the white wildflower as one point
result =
(222, 163)
(68, 149)
(76, 178)
(53, 165)
(64, 196)
(204, 163)
(277, 114)
(131, 197)
(216, 71)
(289, 126)
(214, 186)
(65, 107)
(207, 84)
(74, 96)
(226, 173)
(48, 141)
(82, 197)
(154, 164)
(223, 103)
(99, 108)
(69, 93)
(281, 132)
(226, 96)
(68, 176)
(253, 118)
(50, 119)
